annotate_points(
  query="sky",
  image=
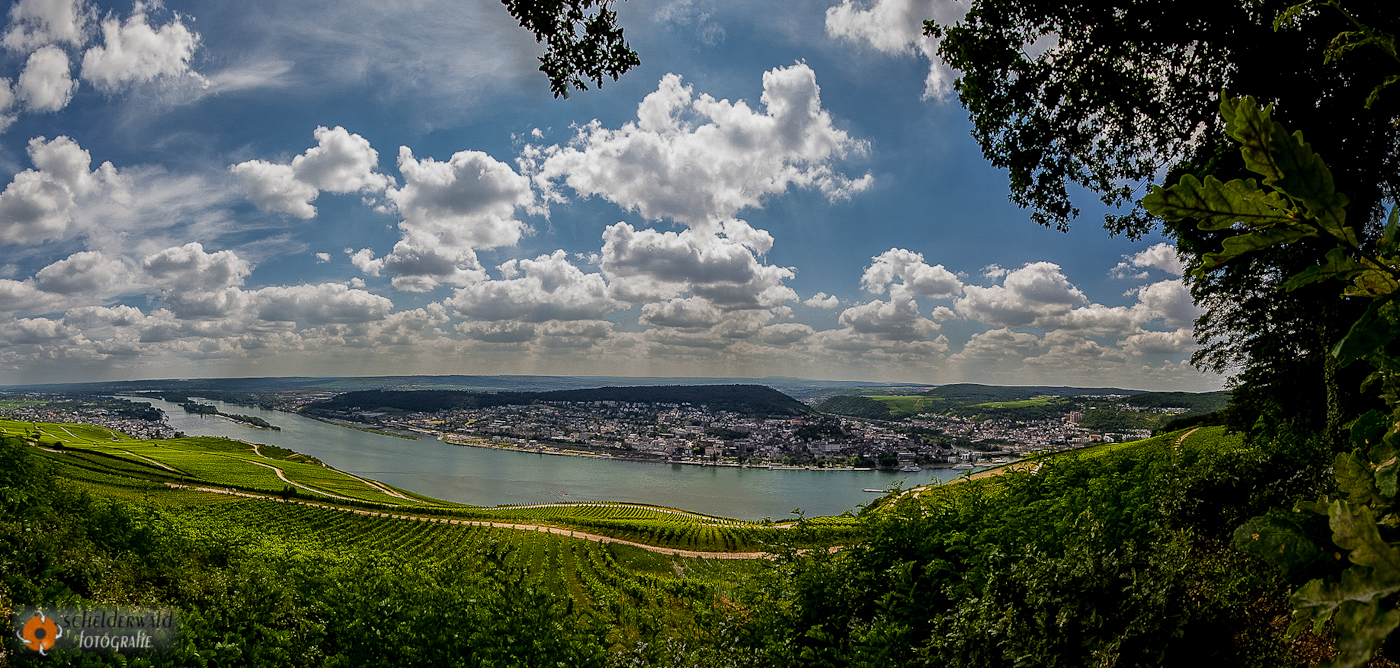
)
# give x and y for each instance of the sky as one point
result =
(355, 188)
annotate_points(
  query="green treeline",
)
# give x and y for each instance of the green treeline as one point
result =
(861, 407)
(747, 399)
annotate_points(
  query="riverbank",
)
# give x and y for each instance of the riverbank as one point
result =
(247, 423)
(493, 476)
(477, 442)
(367, 430)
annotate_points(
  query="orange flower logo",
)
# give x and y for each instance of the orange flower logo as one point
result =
(40, 633)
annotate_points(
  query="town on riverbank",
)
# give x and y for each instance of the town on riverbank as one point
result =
(733, 425)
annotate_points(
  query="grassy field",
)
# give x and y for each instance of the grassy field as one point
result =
(1024, 403)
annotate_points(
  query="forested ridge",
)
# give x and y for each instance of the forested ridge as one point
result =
(747, 399)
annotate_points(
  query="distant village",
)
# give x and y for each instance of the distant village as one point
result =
(685, 433)
(71, 412)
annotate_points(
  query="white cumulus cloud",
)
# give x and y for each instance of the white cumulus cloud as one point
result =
(46, 84)
(449, 209)
(1158, 256)
(1036, 291)
(697, 159)
(894, 320)
(321, 304)
(822, 300)
(83, 273)
(546, 288)
(915, 277)
(721, 266)
(1168, 300)
(133, 51)
(341, 162)
(39, 203)
(36, 23)
(190, 268)
(896, 27)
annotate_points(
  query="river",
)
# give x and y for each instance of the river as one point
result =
(487, 477)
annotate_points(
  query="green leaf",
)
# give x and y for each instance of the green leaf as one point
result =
(1216, 205)
(1354, 528)
(1387, 474)
(1354, 478)
(1339, 265)
(1247, 243)
(1371, 332)
(1375, 574)
(1279, 540)
(1253, 128)
(1368, 429)
(1305, 177)
(1375, 95)
(1319, 507)
(1361, 628)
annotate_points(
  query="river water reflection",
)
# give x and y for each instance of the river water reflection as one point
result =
(482, 476)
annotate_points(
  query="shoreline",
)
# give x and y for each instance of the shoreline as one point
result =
(370, 430)
(233, 419)
(546, 450)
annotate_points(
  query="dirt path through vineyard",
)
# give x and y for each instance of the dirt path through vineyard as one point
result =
(500, 525)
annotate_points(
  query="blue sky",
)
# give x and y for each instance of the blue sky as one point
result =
(363, 188)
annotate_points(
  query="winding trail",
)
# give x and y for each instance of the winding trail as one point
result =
(1182, 439)
(377, 486)
(313, 490)
(499, 525)
(148, 459)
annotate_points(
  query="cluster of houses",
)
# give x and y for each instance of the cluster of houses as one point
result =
(143, 429)
(672, 432)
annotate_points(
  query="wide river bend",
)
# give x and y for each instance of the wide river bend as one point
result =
(487, 477)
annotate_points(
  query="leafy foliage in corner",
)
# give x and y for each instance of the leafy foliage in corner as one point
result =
(1297, 200)
(579, 46)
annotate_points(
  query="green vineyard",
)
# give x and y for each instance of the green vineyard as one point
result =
(194, 470)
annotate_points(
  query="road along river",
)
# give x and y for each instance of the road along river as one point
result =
(487, 477)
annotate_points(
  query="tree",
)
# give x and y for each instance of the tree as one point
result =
(579, 46)
(1298, 200)
(1129, 94)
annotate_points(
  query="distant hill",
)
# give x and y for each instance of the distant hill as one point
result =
(969, 394)
(419, 401)
(801, 388)
(1026, 402)
(747, 399)
(1196, 403)
(852, 406)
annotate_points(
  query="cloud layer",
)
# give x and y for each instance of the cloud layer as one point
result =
(450, 259)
